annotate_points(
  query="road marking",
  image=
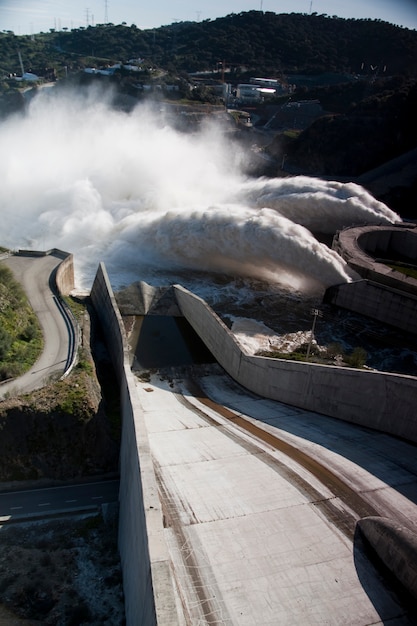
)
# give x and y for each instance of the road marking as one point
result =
(78, 485)
(97, 497)
(15, 508)
(45, 504)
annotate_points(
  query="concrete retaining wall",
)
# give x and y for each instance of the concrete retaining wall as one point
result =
(384, 241)
(396, 546)
(359, 245)
(385, 402)
(148, 588)
(64, 274)
(377, 301)
(64, 277)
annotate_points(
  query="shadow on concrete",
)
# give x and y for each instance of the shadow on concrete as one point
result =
(370, 568)
(392, 460)
(164, 341)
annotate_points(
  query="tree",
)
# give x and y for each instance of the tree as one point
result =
(5, 343)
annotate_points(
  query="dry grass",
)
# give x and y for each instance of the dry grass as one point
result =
(62, 572)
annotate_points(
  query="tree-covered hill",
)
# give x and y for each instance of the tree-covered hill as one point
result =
(261, 42)
(368, 110)
(377, 129)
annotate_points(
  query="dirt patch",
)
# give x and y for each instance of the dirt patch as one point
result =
(62, 572)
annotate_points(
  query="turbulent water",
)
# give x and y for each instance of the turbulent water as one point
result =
(162, 206)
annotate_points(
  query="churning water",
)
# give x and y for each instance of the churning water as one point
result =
(162, 206)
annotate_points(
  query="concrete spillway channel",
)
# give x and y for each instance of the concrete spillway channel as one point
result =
(261, 502)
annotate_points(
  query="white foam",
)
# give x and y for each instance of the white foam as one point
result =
(320, 206)
(254, 337)
(127, 189)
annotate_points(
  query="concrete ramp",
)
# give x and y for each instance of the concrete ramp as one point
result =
(143, 299)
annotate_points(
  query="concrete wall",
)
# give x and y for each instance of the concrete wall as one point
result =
(385, 402)
(64, 274)
(386, 295)
(396, 546)
(357, 246)
(64, 277)
(402, 242)
(379, 302)
(147, 583)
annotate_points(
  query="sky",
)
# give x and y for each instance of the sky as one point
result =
(33, 16)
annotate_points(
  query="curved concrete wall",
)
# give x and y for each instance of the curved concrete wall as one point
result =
(64, 277)
(357, 245)
(385, 402)
(386, 295)
(377, 301)
(148, 588)
(402, 241)
(64, 274)
(396, 546)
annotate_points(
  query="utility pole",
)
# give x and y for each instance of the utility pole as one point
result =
(106, 12)
(21, 62)
(316, 313)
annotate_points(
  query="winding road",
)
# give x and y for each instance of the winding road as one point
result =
(34, 273)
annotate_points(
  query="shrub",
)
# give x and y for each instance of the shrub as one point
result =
(357, 358)
(5, 342)
(31, 331)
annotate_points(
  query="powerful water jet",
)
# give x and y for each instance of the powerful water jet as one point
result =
(129, 190)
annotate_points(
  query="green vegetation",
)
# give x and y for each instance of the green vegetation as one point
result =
(256, 40)
(357, 358)
(78, 308)
(72, 394)
(408, 271)
(333, 354)
(368, 133)
(291, 134)
(363, 72)
(21, 338)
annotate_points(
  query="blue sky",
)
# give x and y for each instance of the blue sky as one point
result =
(32, 16)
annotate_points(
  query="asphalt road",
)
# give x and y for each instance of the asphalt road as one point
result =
(34, 274)
(44, 502)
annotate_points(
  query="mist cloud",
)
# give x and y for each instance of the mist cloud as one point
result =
(129, 190)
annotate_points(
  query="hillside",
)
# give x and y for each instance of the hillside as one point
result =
(68, 429)
(367, 133)
(252, 41)
(362, 72)
(20, 333)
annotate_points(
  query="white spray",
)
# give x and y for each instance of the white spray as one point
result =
(126, 189)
